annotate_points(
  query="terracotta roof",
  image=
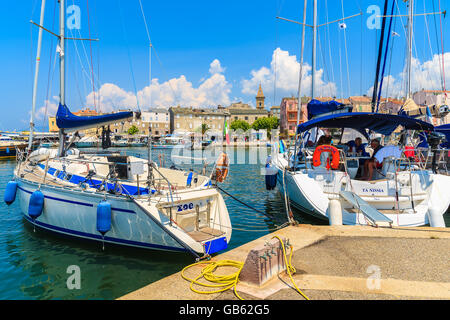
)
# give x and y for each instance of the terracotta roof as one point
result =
(239, 105)
(360, 99)
(248, 111)
(200, 112)
(86, 112)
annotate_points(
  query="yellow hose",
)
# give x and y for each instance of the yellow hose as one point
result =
(226, 282)
(289, 267)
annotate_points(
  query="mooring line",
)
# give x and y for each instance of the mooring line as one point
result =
(248, 206)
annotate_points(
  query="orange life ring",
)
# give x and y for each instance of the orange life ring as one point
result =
(334, 154)
(222, 168)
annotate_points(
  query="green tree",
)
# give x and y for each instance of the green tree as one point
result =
(268, 124)
(204, 128)
(133, 130)
(240, 124)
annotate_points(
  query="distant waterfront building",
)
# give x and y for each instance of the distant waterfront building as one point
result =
(275, 111)
(245, 112)
(361, 103)
(52, 127)
(192, 119)
(123, 126)
(288, 114)
(157, 121)
(432, 97)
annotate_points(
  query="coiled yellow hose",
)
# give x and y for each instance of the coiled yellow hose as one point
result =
(226, 282)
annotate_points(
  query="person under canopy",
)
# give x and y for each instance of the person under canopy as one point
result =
(371, 164)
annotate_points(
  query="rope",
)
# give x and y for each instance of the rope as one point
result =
(442, 46)
(49, 82)
(329, 42)
(221, 283)
(241, 202)
(129, 54)
(346, 52)
(437, 43)
(90, 46)
(385, 57)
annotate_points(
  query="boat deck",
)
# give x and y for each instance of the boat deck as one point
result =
(205, 234)
(30, 175)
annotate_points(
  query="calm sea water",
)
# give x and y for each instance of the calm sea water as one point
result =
(33, 263)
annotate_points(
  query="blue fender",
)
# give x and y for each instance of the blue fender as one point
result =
(104, 217)
(10, 192)
(36, 205)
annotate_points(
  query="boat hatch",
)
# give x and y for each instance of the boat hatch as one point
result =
(120, 164)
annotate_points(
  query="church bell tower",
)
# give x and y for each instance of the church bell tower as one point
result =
(260, 98)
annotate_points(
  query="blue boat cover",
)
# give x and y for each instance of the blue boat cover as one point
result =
(67, 120)
(316, 108)
(445, 129)
(361, 121)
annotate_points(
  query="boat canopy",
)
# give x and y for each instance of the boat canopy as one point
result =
(69, 122)
(361, 121)
(445, 129)
(317, 108)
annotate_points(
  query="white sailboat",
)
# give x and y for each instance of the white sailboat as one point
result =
(403, 192)
(116, 199)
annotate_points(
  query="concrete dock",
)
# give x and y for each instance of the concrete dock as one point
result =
(339, 262)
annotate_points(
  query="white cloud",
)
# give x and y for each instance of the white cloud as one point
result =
(284, 68)
(50, 105)
(426, 75)
(177, 91)
(111, 97)
(215, 67)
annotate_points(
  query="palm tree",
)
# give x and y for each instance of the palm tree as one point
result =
(204, 128)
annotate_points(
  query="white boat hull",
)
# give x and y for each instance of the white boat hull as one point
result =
(309, 194)
(74, 213)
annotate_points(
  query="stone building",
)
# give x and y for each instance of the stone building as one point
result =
(191, 120)
(157, 121)
(122, 126)
(245, 112)
(361, 103)
(432, 97)
(275, 111)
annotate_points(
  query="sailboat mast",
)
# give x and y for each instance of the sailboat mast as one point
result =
(62, 42)
(410, 31)
(313, 82)
(380, 53)
(36, 76)
(62, 71)
(299, 105)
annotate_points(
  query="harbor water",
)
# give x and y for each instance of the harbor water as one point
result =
(35, 264)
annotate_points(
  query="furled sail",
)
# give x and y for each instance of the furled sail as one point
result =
(317, 108)
(69, 122)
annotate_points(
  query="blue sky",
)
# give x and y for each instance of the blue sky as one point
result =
(212, 52)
